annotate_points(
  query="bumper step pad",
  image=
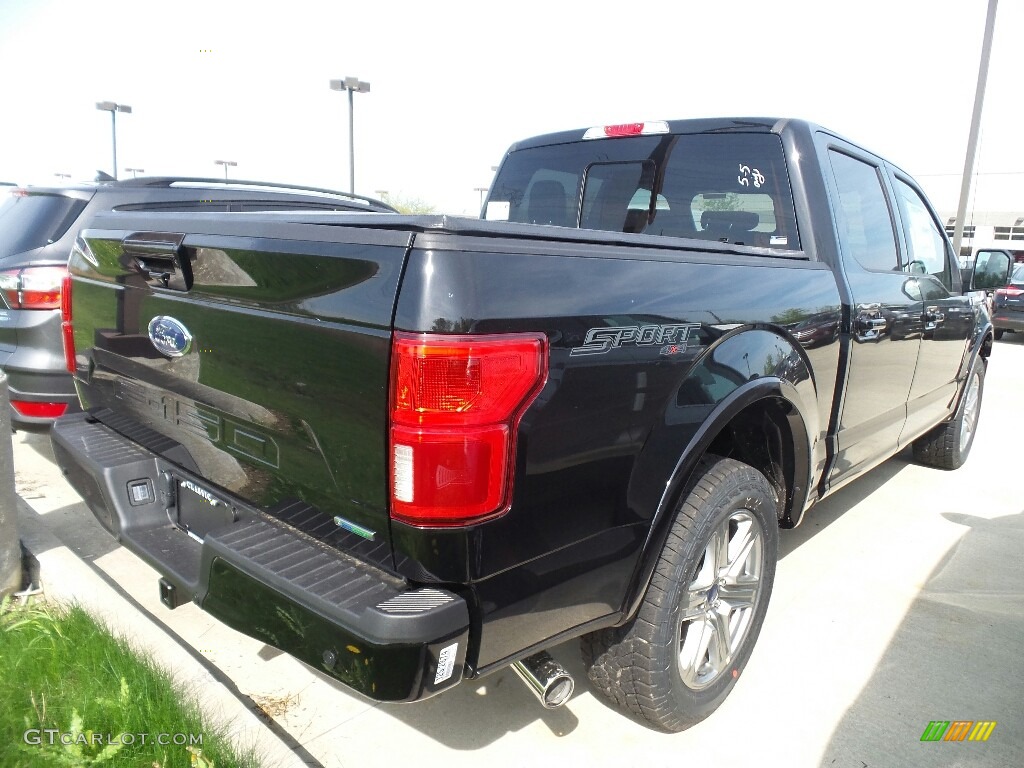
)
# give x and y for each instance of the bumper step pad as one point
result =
(350, 619)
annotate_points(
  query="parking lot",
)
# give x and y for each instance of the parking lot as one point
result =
(900, 601)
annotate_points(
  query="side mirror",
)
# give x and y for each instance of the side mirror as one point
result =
(991, 270)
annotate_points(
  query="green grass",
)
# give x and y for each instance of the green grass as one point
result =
(65, 678)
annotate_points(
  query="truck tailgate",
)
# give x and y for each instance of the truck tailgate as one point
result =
(257, 365)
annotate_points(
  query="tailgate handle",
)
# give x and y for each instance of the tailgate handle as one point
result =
(160, 257)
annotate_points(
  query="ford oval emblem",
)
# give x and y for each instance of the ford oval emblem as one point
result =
(169, 336)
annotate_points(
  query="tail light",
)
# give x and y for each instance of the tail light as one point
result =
(456, 402)
(66, 330)
(32, 287)
(1010, 291)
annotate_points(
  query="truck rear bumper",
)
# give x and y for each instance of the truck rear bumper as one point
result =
(365, 627)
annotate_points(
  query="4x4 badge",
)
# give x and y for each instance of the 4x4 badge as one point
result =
(169, 336)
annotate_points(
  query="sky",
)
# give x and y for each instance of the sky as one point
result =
(453, 84)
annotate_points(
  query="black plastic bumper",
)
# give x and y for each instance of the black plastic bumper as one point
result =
(366, 627)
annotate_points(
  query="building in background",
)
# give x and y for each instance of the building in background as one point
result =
(987, 230)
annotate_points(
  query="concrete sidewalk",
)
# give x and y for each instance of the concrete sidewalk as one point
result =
(900, 601)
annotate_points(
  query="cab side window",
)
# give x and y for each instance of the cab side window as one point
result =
(865, 222)
(928, 249)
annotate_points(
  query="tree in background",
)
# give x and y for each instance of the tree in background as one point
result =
(408, 204)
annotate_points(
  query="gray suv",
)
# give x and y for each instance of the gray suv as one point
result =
(38, 226)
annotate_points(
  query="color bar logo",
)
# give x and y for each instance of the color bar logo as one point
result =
(958, 730)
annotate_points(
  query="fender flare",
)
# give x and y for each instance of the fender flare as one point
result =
(757, 390)
(980, 349)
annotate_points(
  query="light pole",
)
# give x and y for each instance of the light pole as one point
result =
(134, 171)
(113, 109)
(481, 190)
(352, 85)
(225, 163)
(972, 139)
(62, 176)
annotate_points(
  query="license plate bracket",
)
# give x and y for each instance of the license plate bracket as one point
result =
(200, 510)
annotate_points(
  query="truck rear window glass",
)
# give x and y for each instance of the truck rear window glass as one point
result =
(730, 187)
(31, 221)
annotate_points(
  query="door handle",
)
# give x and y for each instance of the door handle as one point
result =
(159, 257)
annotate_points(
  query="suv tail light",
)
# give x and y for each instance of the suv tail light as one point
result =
(66, 330)
(1010, 291)
(456, 402)
(39, 410)
(32, 287)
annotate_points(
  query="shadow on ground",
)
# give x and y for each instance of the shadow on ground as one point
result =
(40, 443)
(499, 704)
(959, 642)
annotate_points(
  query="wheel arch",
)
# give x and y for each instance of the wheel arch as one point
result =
(977, 353)
(768, 422)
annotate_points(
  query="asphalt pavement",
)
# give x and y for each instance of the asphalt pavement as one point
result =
(898, 602)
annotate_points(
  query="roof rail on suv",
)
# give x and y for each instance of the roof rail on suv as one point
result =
(184, 181)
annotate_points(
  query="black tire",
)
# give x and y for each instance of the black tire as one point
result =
(638, 667)
(948, 445)
(999, 333)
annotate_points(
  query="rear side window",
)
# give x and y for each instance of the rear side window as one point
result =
(865, 222)
(30, 221)
(730, 187)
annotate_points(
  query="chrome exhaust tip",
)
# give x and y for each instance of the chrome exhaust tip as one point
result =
(548, 680)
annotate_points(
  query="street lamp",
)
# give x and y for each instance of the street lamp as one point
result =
(352, 85)
(481, 190)
(134, 171)
(62, 176)
(972, 139)
(225, 163)
(113, 109)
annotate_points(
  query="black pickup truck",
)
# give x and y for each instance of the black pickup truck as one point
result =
(415, 450)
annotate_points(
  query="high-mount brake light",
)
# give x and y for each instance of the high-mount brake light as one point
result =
(32, 287)
(66, 330)
(456, 402)
(626, 129)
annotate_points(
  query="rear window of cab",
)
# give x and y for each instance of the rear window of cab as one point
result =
(732, 187)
